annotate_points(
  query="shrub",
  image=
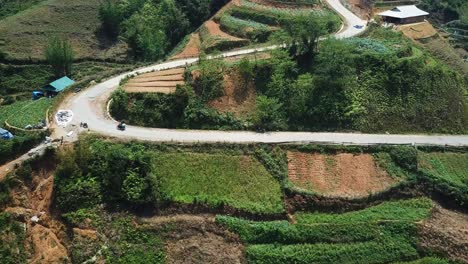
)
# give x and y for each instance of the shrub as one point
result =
(406, 157)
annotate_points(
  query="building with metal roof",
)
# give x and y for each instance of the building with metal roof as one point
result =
(404, 15)
(59, 85)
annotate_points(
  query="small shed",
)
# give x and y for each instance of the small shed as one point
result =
(59, 85)
(404, 15)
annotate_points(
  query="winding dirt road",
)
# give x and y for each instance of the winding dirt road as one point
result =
(90, 106)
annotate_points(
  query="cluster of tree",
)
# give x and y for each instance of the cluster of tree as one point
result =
(97, 172)
(348, 87)
(152, 27)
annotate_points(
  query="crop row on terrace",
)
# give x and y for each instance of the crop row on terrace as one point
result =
(381, 234)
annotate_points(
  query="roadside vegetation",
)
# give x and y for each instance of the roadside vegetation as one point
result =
(340, 85)
(446, 172)
(12, 237)
(100, 172)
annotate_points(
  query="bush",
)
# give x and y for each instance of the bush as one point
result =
(79, 193)
(406, 157)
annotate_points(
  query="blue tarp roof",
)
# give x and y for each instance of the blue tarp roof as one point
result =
(59, 85)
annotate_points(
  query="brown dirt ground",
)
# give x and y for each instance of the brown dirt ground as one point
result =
(164, 90)
(156, 82)
(196, 239)
(192, 49)
(44, 240)
(238, 98)
(446, 232)
(418, 30)
(342, 175)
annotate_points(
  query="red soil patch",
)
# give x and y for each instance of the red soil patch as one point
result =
(341, 175)
(192, 49)
(215, 30)
(239, 96)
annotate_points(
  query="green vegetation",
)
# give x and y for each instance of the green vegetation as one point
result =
(380, 83)
(254, 31)
(452, 16)
(446, 172)
(379, 234)
(411, 210)
(11, 7)
(12, 236)
(120, 241)
(102, 172)
(59, 54)
(152, 28)
(217, 180)
(23, 113)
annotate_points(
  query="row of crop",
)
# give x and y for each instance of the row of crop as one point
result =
(257, 32)
(212, 43)
(364, 252)
(280, 11)
(380, 234)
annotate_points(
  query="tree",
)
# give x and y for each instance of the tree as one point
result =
(59, 54)
(119, 106)
(136, 188)
(110, 17)
(268, 114)
(209, 84)
(304, 31)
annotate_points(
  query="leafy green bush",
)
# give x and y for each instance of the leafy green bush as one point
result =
(21, 143)
(406, 157)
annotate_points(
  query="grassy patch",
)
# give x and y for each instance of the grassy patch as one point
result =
(23, 113)
(405, 210)
(25, 34)
(11, 7)
(238, 181)
(452, 167)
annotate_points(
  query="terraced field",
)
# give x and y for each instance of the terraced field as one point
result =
(341, 175)
(164, 81)
(243, 23)
(378, 234)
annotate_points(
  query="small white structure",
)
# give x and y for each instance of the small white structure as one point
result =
(404, 15)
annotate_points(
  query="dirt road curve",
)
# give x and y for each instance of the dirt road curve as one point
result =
(89, 106)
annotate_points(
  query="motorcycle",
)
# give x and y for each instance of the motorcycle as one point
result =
(121, 126)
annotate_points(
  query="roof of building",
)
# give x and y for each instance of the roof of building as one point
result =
(404, 12)
(59, 85)
(3, 131)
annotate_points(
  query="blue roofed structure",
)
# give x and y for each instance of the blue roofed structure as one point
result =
(59, 85)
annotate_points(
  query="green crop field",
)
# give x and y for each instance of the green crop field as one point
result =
(238, 181)
(379, 234)
(451, 167)
(404, 210)
(23, 113)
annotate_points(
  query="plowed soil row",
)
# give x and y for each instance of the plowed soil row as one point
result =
(341, 175)
(156, 82)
